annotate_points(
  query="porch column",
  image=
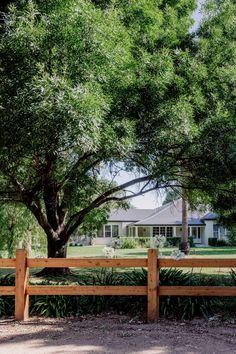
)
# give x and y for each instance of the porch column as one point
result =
(136, 231)
(190, 231)
(174, 231)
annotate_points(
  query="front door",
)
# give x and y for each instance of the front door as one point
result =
(196, 234)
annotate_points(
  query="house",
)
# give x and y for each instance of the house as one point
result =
(165, 220)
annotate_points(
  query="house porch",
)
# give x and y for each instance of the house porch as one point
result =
(197, 232)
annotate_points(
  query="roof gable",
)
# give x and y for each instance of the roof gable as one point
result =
(132, 215)
(168, 214)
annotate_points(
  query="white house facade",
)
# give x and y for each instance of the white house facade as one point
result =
(165, 220)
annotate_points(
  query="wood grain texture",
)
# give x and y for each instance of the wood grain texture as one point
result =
(7, 290)
(86, 290)
(21, 298)
(197, 263)
(86, 262)
(152, 285)
(7, 263)
(197, 290)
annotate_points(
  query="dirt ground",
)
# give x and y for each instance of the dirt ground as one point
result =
(117, 335)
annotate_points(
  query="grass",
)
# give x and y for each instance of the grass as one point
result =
(197, 252)
(96, 251)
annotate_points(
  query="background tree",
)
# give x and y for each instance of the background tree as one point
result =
(19, 228)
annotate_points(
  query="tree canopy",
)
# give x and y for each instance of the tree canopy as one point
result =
(95, 85)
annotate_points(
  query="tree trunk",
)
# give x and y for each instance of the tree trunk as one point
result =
(55, 250)
(184, 244)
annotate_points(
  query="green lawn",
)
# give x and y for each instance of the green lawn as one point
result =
(197, 252)
(96, 251)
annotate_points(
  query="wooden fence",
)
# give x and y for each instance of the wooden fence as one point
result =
(22, 290)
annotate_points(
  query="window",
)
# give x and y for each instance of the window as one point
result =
(199, 233)
(169, 231)
(162, 231)
(107, 230)
(115, 230)
(111, 230)
(219, 230)
(131, 231)
(166, 231)
(155, 231)
(215, 230)
(196, 232)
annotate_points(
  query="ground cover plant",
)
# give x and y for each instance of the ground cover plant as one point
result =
(171, 306)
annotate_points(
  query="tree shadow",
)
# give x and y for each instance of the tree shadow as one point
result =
(107, 334)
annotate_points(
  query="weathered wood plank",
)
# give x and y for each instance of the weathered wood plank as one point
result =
(7, 263)
(86, 290)
(197, 290)
(21, 298)
(152, 285)
(86, 262)
(7, 290)
(197, 263)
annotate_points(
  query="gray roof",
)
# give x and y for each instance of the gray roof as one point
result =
(169, 214)
(210, 216)
(131, 215)
(191, 221)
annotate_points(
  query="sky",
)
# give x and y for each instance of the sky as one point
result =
(153, 200)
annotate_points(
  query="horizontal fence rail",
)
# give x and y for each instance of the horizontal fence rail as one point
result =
(22, 290)
(87, 263)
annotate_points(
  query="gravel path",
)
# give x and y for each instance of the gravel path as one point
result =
(116, 335)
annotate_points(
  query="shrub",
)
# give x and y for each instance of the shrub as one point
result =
(232, 237)
(191, 242)
(128, 242)
(221, 243)
(116, 243)
(175, 306)
(233, 276)
(212, 241)
(144, 242)
(172, 306)
(134, 242)
(7, 303)
(173, 241)
(65, 306)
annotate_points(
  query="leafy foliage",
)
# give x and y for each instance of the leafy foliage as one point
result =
(90, 85)
(213, 241)
(233, 276)
(176, 306)
(7, 303)
(17, 229)
(172, 306)
(232, 236)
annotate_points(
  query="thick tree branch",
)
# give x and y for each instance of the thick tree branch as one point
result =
(74, 168)
(33, 206)
(77, 218)
(126, 197)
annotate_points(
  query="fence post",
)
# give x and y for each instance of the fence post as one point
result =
(153, 279)
(21, 282)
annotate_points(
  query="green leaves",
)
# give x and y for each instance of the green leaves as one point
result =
(113, 81)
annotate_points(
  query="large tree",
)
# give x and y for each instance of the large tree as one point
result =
(93, 85)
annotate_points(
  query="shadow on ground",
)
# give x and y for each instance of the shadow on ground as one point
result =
(116, 334)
